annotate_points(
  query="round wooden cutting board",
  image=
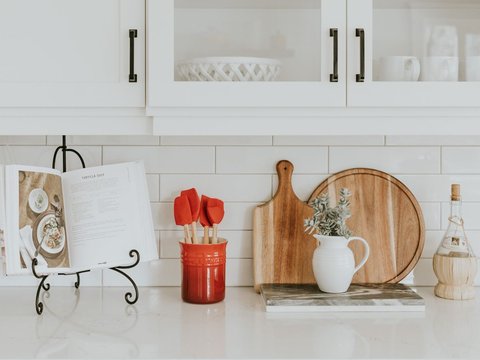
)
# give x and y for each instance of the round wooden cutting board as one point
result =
(387, 215)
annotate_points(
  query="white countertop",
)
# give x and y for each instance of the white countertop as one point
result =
(98, 323)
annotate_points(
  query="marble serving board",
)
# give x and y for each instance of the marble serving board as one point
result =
(308, 298)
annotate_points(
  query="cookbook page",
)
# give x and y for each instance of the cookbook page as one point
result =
(103, 218)
(35, 220)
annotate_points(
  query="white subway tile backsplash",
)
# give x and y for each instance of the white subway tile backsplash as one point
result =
(42, 156)
(421, 140)
(232, 188)
(303, 185)
(162, 214)
(396, 160)
(423, 274)
(432, 240)
(216, 140)
(105, 140)
(239, 272)
(262, 160)
(437, 187)
(165, 160)
(431, 215)
(153, 183)
(461, 160)
(329, 140)
(23, 140)
(241, 171)
(239, 243)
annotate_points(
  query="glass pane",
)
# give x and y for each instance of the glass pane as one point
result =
(426, 40)
(247, 40)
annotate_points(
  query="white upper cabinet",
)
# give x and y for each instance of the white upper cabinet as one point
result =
(72, 53)
(293, 50)
(413, 53)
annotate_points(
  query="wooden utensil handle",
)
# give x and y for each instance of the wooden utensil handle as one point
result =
(186, 233)
(206, 236)
(214, 236)
(194, 233)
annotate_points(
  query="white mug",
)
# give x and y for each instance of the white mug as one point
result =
(440, 68)
(443, 41)
(399, 68)
(472, 68)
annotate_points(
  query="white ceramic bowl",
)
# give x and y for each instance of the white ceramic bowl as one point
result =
(229, 69)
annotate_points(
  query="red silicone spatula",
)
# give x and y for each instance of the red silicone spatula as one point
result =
(215, 212)
(204, 220)
(194, 202)
(183, 215)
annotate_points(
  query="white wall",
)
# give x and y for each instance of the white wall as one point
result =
(241, 170)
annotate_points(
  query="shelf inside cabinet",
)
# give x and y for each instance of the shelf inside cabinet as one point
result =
(247, 4)
(425, 4)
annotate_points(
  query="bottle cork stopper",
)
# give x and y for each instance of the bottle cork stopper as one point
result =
(456, 192)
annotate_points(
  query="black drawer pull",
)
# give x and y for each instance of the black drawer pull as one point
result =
(334, 34)
(132, 77)
(361, 34)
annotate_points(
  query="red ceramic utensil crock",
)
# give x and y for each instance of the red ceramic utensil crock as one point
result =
(203, 272)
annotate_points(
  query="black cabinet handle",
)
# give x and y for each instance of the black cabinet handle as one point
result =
(334, 34)
(361, 34)
(132, 33)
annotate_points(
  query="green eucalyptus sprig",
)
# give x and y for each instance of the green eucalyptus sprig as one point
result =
(330, 221)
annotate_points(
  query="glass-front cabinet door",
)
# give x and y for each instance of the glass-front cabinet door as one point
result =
(246, 53)
(415, 53)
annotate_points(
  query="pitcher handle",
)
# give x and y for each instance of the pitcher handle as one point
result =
(367, 251)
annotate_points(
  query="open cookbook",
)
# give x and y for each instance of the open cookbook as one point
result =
(78, 220)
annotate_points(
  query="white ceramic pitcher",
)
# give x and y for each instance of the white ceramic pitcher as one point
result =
(334, 264)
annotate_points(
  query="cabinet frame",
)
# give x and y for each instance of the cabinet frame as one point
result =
(119, 93)
(375, 94)
(164, 92)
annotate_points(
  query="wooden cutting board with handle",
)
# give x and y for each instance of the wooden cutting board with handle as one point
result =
(282, 252)
(386, 214)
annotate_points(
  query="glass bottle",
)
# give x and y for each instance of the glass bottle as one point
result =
(454, 262)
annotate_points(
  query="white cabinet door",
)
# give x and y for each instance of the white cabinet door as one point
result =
(72, 53)
(307, 37)
(413, 53)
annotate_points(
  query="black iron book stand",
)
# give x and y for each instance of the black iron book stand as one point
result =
(44, 285)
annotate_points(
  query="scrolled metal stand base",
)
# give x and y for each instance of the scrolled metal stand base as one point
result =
(129, 297)
(118, 269)
(42, 285)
